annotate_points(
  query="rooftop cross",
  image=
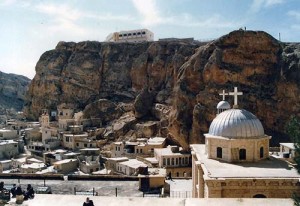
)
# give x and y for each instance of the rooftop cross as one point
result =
(223, 94)
(235, 93)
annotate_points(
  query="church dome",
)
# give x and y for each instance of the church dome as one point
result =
(236, 123)
(223, 105)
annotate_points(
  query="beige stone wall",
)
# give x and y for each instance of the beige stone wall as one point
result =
(248, 188)
(231, 147)
(180, 172)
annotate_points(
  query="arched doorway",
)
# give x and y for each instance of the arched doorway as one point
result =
(219, 152)
(242, 154)
(259, 196)
(261, 152)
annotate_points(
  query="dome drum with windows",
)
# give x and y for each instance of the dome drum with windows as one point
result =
(236, 135)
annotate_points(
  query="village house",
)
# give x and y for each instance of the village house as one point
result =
(9, 149)
(32, 167)
(89, 164)
(8, 134)
(53, 156)
(131, 167)
(66, 166)
(154, 178)
(5, 165)
(142, 147)
(287, 150)
(75, 141)
(111, 163)
(176, 162)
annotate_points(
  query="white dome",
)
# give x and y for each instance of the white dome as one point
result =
(236, 123)
(223, 105)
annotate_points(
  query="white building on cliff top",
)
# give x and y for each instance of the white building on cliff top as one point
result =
(139, 35)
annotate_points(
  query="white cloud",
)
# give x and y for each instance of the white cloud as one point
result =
(22, 3)
(149, 11)
(259, 4)
(151, 16)
(294, 14)
(7, 2)
(59, 11)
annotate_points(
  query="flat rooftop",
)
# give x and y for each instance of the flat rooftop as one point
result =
(71, 200)
(268, 168)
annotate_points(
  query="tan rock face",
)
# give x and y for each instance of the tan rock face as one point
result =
(184, 79)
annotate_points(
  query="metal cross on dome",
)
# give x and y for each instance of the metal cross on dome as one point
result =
(235, 93)
(223, 94)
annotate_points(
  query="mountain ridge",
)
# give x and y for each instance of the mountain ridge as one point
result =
(184, 78)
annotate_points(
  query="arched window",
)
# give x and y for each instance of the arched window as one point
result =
(168, 161)
(261, 152)
(259, 196)
(242, 154)
(219, 152)
(172, 161)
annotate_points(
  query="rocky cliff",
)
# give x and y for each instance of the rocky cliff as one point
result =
(173, 84)
(12, 92)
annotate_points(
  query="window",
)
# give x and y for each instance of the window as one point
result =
(91, 145)
(176, 161)
(85, 145)
(186, 160)
(139, 33)
(219, 152)
(129, 34)
(242, 154)
(120, 35)
(164, 161)
(134, 34)
(141, 150)
(143, 32)
(137, 150)
(67, 139)
(77, 144)
(168, 161)
(172, 161)
(261, 152)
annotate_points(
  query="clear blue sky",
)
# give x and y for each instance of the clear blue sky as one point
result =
(31, 27)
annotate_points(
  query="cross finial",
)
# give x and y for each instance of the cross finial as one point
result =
(235, 93)
(223, 94)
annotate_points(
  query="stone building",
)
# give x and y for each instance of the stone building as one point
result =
(89, 164)
(234, 162)
(65, 166)
(6, 134)
(138, 35)
(141, 147)
(8, 149)
(176, 162)
(131, 167)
